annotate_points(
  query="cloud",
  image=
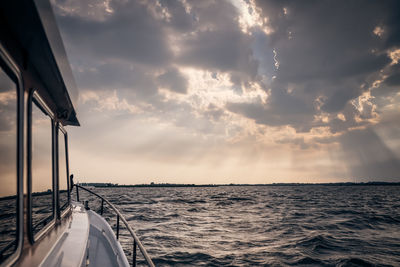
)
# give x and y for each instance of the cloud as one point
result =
(173, 80)
(130, 32)
(138, 49)
(207, 80)
(272, 117)
(218, 43)
(224, 50)
(323, 64)
(393, 78)
(144, 45)
(8, 106)
(214, 112)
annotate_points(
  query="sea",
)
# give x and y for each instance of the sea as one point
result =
(308, 225)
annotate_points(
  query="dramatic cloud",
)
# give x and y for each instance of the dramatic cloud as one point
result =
(212, 86)
(327, 55)
(128, 31)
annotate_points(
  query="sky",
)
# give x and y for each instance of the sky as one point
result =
(239, 91)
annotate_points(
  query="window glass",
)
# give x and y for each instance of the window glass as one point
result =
(62, 171)
(42, 184)
(8, 166)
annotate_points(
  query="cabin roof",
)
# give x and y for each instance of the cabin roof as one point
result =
(30, 34)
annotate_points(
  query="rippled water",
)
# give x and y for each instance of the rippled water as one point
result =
(8, 221)
(263, 225)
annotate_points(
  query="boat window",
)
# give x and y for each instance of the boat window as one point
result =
(41, 169)
(8, 166)
(62, 170)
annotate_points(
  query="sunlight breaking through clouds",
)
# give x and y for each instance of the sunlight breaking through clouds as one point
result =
(280, 86)
(216, 88)
(250, 17)
(107, 101)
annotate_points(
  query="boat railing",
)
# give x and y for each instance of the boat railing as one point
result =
(136, 240)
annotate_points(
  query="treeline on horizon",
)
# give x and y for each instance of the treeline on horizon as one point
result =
(232, 184)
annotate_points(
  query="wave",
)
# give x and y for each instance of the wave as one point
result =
(264, 226)
(352, 262)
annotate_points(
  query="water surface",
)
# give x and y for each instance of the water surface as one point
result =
(263, 225)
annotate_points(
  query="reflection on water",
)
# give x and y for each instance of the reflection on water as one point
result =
(8, 164)
(261, 226)
(42, 176)
(42, 213)
(42, 209)
(8, 222)
(63, 199)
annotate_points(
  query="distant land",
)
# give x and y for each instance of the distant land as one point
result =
(231, 184)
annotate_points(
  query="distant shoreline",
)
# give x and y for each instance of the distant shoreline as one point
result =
(219, 185)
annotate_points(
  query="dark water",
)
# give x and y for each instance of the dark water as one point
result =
(42, 210)
(8, 221)
(263, 226)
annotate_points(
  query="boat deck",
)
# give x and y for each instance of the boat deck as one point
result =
(84, 239)
(104, 248)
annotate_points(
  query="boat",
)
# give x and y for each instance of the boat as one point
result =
(40, 223)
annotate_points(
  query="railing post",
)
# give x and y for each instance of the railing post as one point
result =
(117, 227)
(77, 193)
(102, 204)
(134, 253)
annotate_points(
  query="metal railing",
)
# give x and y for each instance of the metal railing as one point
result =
(136, 241)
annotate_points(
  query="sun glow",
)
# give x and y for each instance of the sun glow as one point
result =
(250, 17)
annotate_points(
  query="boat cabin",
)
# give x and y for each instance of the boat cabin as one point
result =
(37, 94)
(39, 223)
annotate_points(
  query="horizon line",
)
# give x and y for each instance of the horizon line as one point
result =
(152, 184)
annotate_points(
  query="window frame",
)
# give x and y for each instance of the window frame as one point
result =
(35, 99)
(61, 130)
(8, 65)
